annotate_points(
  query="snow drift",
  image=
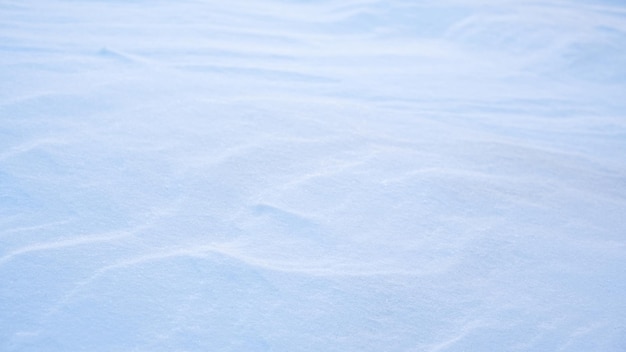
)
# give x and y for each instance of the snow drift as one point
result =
(312, 176)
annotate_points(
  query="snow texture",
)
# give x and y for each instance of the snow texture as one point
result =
(332, 175)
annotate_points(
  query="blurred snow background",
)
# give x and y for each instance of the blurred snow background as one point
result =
(283, 175)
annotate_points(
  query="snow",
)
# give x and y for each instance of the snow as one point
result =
(285, 175)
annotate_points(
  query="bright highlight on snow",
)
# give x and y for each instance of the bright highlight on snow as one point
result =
(284, 175)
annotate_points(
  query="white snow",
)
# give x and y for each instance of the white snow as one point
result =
(284, 175)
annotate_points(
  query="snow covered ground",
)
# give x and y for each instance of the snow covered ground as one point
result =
(332, 175)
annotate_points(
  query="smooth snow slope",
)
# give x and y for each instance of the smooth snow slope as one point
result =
(282, 175)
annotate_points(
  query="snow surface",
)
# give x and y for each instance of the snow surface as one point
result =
(333, 175)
